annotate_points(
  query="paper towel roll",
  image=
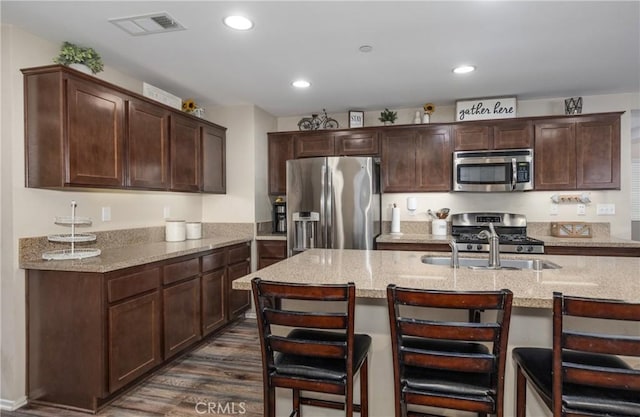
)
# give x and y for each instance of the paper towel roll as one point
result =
(395, 220)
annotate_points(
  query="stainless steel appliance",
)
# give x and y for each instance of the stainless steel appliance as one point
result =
(279, 217)
(511, 228)
(345, 194)
(491, 171)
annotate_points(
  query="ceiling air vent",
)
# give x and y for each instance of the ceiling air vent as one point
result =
(148, 24)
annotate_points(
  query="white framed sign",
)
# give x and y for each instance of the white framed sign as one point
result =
(485, 108)
(356, 118)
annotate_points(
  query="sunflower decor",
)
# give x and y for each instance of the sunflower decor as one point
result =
(189, 106)
(429, 108)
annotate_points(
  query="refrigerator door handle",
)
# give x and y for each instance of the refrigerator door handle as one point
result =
(329, 217)
(323, 204)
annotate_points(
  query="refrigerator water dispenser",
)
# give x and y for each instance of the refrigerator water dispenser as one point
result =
(305, 225)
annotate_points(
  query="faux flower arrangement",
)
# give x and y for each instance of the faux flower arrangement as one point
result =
(429, 108)
(388, 116)
(189, 106)
(74, 54)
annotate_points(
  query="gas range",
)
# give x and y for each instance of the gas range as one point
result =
(512, 229)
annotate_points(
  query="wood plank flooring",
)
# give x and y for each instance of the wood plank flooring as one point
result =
(222, 377)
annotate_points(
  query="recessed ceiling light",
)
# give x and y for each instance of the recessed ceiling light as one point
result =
(301, 84)
(464, 69)
(365, 48)
(238, 22)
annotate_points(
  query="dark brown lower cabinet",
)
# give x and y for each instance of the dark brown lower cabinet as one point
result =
(92, 335)
(181, 316)
(271, 252)
(134, 338)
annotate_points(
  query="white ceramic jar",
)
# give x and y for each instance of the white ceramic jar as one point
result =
(194, 230)
(175, 231)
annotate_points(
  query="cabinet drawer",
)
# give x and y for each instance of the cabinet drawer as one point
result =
(132, 284)
(213, 261)
(239, 253)
(272, 249)
(181, 270)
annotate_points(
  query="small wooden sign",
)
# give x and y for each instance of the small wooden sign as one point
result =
(485, 108)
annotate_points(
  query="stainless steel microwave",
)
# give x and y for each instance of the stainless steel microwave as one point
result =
(492, 171)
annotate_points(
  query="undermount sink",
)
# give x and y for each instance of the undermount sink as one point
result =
(482, 263)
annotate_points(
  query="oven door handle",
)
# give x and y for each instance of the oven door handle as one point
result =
(514, 174)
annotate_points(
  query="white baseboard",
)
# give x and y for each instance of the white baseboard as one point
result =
(12, 405)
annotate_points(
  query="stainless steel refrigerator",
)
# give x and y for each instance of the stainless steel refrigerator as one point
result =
(332, 202)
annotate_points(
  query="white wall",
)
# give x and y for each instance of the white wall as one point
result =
(535, 204)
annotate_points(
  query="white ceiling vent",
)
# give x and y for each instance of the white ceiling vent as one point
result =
(148, 24)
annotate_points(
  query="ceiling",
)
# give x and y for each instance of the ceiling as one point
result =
(525, 49)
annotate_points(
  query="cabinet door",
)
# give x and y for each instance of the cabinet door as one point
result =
(181, 316)
(185, 154)
(280, 150)
(214, 171)
(555, 155)
(95, 127)
(513, 135)
(398, 165)
(474, 136)
(134, 339)
(213, 296)
(433, 159)
(598, 153)
(239, 300)
(270, 252)
(148, 146)
(316, 144)
(361, 143)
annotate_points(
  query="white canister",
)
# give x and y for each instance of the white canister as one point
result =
(175, 231)
(194, 230)
(439, 227)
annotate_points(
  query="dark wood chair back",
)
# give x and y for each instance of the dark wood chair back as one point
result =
(593, 375)
(322, 332)
(425, 349)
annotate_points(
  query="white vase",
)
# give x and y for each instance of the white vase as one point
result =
(81, 68)
(426, 118)
(416, 120)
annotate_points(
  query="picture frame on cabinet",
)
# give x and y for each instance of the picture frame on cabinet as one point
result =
(356, 118)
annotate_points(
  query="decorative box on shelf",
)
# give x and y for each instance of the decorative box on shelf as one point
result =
(570, 229)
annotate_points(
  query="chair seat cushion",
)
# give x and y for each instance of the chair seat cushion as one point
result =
(537, 364)
(445, 382)
(311, 367)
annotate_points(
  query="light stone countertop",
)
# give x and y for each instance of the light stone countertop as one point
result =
(372, 271)
(601, 241)
(127, 256)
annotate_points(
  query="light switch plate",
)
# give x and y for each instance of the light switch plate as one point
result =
(606, 209)
(553, 210)
(166, 212)
(581, 210)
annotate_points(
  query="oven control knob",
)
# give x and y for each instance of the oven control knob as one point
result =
(469, 246)
(479, 247)
(519, 248)
(530, 249)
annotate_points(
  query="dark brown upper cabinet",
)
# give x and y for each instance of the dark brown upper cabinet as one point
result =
(498, 134)
(280, 150)
(81, 131)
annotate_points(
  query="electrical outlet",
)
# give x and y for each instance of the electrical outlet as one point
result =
(581, 210)
(106, 214)
(553, 210)
(606, 209)
(166, 212)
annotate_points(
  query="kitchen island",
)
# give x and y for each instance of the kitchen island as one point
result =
(372, 271)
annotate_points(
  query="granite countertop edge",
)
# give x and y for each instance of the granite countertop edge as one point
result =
(133, 255)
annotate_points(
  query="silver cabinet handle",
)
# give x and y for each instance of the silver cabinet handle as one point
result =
(514, 174)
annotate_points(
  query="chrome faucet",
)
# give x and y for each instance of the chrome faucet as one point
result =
(455, 262)
(494, 249)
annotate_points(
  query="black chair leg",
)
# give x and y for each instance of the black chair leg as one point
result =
(296, 403)
(364, 389)
(521, 393)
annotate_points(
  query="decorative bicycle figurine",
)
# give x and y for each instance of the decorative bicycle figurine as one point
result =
(314, 122)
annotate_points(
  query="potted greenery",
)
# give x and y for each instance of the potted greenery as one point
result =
(388, 116)
(71, 55)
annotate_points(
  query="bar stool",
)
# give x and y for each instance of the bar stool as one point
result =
(320, 353)
(448, 364)
(584, 373)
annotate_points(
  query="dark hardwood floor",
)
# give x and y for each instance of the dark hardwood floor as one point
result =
(222, 377)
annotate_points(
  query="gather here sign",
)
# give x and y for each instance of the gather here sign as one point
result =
(486, 108)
